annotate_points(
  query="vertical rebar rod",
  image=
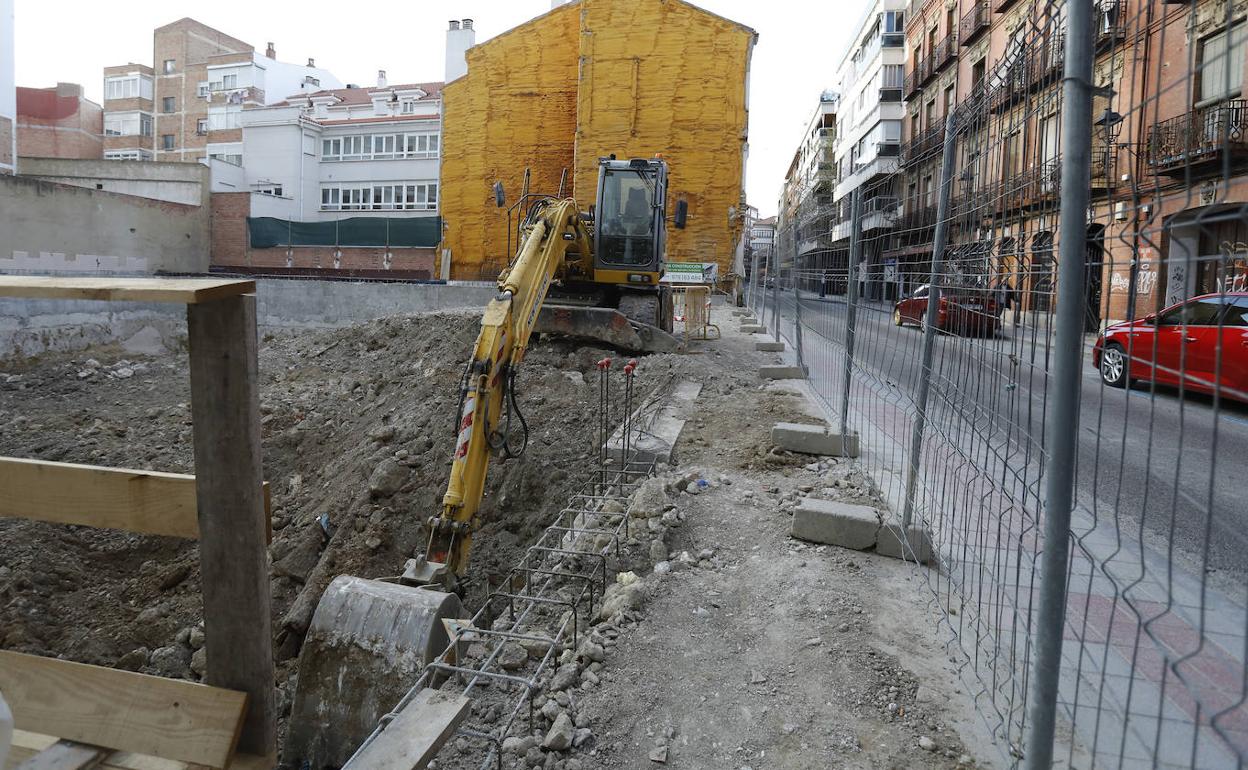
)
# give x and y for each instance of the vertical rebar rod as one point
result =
(1062, 422)
(851, 312)
(930, 320)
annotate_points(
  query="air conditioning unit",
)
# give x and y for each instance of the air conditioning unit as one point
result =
(1120, 211)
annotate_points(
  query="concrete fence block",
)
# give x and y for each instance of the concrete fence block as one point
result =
(813, 440)
(752, 329)
(769, 346)
(782, 372)
(840, 524)
(912, 544)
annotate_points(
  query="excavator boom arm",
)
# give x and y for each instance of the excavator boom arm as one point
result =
(547, 240)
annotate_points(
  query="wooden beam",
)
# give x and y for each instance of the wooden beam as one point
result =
(146, 502)
(233, 558)
(188, 291)
(121, 710)
(416, 734)
(65, 755)
(27, 744)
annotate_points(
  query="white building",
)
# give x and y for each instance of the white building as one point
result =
(343, 152)
(8, 92)
(868, 135)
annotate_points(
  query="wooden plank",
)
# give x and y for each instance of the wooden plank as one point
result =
(146, 502)
(233, 557)
(122, 710)
(65, 755)
(416, 734)
(188, 291)
(27, 744)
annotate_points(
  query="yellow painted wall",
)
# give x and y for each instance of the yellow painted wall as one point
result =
(661, 76)
(516, 108)
(630, 77)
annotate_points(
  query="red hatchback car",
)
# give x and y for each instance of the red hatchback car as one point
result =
(1180, 346)
(961, 311)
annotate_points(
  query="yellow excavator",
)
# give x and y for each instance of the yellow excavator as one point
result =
(370, 639)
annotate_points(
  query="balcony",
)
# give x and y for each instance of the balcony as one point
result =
(924, 146)
(889, 94)
(893, 40)
(888, 149)
(1111, 25)
(1001, 6)
(911, 86)
(945, 54)
(974, 23)
(1199, 142)
(927, 68)
(1046, 61)
(917, 217)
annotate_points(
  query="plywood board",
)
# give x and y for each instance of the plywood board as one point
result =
(27, 744)
(122, 710)
(416, 734)
(187, 291)
(65, 755)
(146, 502)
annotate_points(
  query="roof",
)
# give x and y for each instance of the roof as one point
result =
(768, 221)
(361, 96)
(46, 103)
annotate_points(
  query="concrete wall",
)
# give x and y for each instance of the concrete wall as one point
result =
(33, 327)
(185, 183)
(51, 228)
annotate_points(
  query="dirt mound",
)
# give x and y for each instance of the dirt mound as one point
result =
(357, 436)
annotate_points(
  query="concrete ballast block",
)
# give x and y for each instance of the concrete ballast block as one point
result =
(813, 440)
(892, 542)
(841, 524)
(782, 372)
(752, 328)
(769, 346)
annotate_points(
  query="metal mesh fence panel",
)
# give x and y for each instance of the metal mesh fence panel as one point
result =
(1035, 317)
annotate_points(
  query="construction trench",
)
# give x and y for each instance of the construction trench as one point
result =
(623, 615)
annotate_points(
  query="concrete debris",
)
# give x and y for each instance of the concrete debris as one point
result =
(560, 735)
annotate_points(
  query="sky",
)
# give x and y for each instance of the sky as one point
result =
(800, 44)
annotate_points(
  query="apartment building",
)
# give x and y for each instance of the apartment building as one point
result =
(188, 105)
(370, 152)
(58, 122)
(8, 92)
(1169, 153)
(868, 136)
(809, 184)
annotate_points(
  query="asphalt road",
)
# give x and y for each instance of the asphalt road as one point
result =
(1159, 467)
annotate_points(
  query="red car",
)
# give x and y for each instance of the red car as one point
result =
(1180, 346)
(960, 311)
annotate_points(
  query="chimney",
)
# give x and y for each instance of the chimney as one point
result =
(381, 78)
(459, 38)
(311, 62)
(454, 24)
(270, 52)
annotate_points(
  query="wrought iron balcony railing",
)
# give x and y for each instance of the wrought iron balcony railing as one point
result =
(1199, 141)
(974, 23)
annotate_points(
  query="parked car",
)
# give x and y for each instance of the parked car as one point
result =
(1181, 346)
(960, 311)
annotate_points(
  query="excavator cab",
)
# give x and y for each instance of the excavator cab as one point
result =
(630, 219)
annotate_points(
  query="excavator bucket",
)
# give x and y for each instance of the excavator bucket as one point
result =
(368, 643)
(606, 325)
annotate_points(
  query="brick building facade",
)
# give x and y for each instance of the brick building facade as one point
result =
(58, 122)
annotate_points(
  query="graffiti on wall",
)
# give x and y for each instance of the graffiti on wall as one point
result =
(1233, 275)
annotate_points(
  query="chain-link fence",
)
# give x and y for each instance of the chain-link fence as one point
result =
(1035, 316)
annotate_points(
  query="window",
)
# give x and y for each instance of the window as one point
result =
(201, 126)
(169, 67)
(950, 98)
(203, 90)
(894, 21)
(274, 190)
(127, 124)
(225, 118)
(127, 155)
(978, 71)
(228, 157)
(229, 81)
(408, 107)
(166, 141)
(1237, 312)
(380, 147)
(951, 20)
(1220, 73)
(892, 76)
(127, 87)
(1203, 312)
(168, 104)
(407, 196)
(929, 114)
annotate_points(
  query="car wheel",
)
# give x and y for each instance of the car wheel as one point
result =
(897, 316)
(1114, 366)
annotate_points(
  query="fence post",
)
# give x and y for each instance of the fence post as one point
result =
(775, 291)
(754, 281)
(1062, 423)
(851, 314)
(797, 314)
(929, 320)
